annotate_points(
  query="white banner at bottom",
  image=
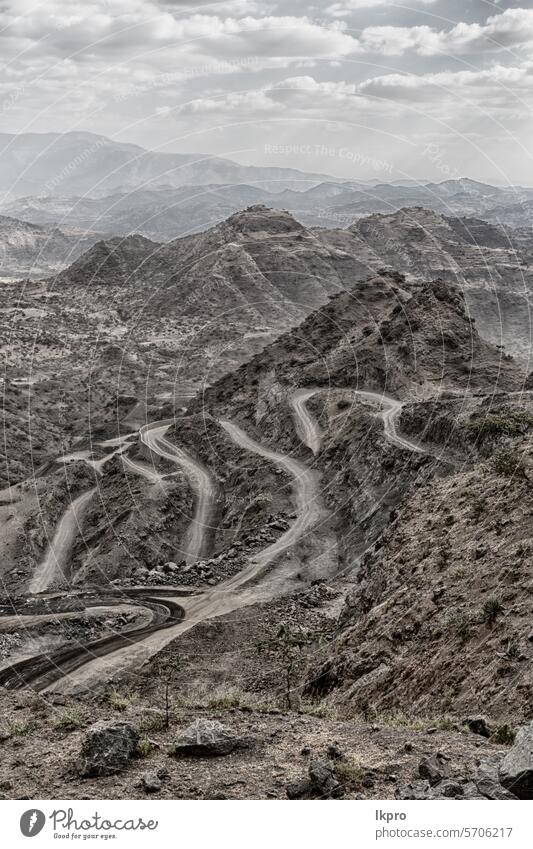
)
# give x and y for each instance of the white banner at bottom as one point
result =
(256, 824)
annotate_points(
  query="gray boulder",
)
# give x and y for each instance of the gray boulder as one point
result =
(106, 749)
(477, 725)
(322, 783)
(434, 769)
(207, 737)
(516, 769)
(151, 782)
(487, 778)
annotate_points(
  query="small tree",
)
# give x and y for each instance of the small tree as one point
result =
(289, 645)
(166, 667)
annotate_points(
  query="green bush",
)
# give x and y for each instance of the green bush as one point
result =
(68, 720)
(512, 423)
(491, 610)
(502, 734)
(508, 461)
(144, 748)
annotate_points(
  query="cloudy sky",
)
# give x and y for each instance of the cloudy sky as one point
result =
(353, 88)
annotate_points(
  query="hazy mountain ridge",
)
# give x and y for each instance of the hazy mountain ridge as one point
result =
(80, 163)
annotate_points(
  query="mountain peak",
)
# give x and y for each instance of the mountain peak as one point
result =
(259, 218)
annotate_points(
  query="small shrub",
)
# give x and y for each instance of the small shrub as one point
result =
(154, 722)
(349, 773)
(461, 624)
(491, 610)
(503, 734)
(144, 748)
(68, 720)
(509, 424)
(117, 701)
(508, 461)
(21, 727)
(288, 645)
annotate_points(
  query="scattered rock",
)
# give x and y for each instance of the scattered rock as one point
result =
(151, 782)
(106, 749)
(322, 783)
(207, 737)
(433, 769)
(448, 789)
(334, 753)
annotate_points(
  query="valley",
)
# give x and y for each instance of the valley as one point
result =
(267, 426)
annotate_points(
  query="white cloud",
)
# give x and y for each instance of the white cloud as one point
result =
(346, 7)
(513, 28)
(481, 87)
(248, 101)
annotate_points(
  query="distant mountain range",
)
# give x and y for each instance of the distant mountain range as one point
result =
(84, 164)
(95, 183)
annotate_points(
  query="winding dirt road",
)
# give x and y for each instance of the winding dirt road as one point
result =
(195, 544)
(55, 563)
(41, 671)
(307, 426)
(143, 469)
(267, 575)
(306, 495)
(389, 414)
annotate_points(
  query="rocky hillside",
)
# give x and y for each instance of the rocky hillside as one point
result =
(440, 618)
(385, 334)
(490, 264)
(30, 250)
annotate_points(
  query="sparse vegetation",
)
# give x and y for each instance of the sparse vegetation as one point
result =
(152, 722)
(508, 461)
(117, 701)
(349, 773)
(502, 734)
(288, 645)
(461, 624)
(166, 666)
(68, 720)
(492, 608)
(144, 748)
(21, 727)
(399, 719)
(491, 427)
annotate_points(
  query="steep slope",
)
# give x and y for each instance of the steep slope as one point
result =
(440, 619)
(386, 334)
(227, 291)
(490, 264)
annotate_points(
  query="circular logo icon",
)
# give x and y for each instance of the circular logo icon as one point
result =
(32, 822)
